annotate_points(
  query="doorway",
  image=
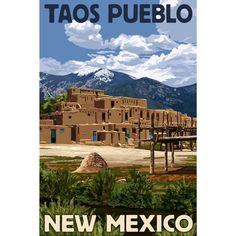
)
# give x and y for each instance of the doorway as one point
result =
(53, 136)
(94, 135)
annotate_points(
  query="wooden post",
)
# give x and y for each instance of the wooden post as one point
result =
(152, 157)
(172, 154)
(177, 118)
(162, 135)
(139, 132)
(167, 117)
(169, 135)
(166, 158)
(152, 148)
(191, 133)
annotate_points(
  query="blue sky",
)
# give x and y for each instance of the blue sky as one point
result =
(162, 52)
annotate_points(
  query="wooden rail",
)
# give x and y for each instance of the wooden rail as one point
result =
(169, 140)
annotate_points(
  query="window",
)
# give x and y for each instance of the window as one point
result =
(112, 104)
(141, 114)
(126, 116)
(40, 129)
(62, 131)
(69, 117)
(133, 130)
(88, 114)
(103, 117)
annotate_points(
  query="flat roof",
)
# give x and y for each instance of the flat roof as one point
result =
(86, 89)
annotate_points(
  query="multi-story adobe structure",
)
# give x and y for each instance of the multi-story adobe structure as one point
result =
(91, 116)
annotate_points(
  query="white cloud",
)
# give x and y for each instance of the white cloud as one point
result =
(131, 43)
(161, 42)
(105, 52)
(52, 66)
(87, 35)
(178, 66)
(182, 32)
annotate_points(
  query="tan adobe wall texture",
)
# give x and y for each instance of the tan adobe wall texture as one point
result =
(90, 115)
(62, 134)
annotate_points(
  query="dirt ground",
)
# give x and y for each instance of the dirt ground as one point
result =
(114, 156)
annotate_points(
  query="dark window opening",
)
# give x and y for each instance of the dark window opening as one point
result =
(103, 117)
(133, 130)
(148, 115)
(69, 117)
(126, 116)
(112, 104)
(130, 113)
(53, 136)
(141, 114)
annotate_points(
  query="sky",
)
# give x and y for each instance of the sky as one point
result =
(164, 51)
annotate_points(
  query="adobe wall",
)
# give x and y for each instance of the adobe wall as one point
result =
(63, 134)
(46, 122)
(82, 116)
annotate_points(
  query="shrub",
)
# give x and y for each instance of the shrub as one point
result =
(98, 191)
(48, 104)
(136, 192)
(56, 185)
(180, 196)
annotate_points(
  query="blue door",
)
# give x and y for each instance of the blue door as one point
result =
(53, 136)
(94, 135)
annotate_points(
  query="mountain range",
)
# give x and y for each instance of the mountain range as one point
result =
(159, 95)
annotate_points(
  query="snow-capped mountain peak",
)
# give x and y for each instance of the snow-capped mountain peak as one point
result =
(104, 75)
(86, 70)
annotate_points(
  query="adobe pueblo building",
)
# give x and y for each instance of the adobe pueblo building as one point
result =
(91, 117)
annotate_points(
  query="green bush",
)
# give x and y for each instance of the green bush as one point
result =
(180, 196)
(56, 184)
(136, 192)
(98, 191)
(48, 104)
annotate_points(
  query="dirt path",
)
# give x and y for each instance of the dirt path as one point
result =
(113, 155)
